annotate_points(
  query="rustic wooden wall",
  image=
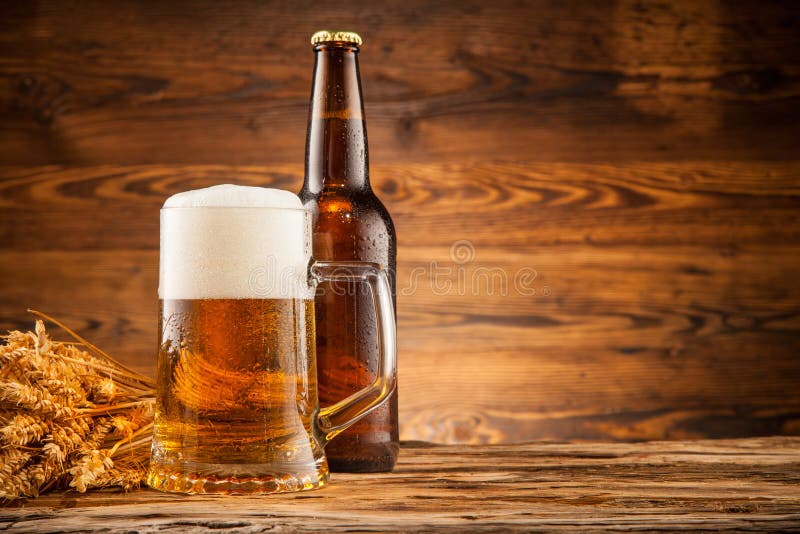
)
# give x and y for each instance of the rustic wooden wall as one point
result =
(631, 168)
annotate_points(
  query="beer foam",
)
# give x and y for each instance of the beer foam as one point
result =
(234, 196)
(235, 242)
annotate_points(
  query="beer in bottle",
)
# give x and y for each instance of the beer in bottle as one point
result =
(350, 223)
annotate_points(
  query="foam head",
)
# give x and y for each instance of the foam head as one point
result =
(231, 241)
(234, 196)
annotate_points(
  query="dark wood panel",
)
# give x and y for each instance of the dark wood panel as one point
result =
(208, 82)
(659, 299)
(587, 361)
(639, 157)
(739, 486)
(722, 206)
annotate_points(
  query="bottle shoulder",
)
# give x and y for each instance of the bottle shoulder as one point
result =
(352, 226)
(347, 206)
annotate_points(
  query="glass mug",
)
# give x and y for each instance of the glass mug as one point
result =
(237, 408)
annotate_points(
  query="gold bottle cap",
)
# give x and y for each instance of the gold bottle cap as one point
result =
(330, 36)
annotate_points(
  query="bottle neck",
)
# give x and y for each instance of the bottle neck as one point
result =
(336, 145)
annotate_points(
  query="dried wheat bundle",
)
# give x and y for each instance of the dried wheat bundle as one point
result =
(70, 416)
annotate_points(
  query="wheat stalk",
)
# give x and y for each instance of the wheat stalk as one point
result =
(71, 416)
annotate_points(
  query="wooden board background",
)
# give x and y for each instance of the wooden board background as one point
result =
(614, 186)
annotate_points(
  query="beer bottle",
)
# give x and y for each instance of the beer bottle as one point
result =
(350, 223)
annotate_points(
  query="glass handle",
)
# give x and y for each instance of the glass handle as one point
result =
(336, 418)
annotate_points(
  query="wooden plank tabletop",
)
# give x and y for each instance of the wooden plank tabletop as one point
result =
(748, 484)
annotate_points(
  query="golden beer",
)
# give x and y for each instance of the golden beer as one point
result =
(237, 388)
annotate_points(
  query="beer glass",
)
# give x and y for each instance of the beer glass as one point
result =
(237, 408)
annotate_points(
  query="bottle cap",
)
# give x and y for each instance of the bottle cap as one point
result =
(330, 36)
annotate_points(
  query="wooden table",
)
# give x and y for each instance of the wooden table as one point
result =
(750, 484)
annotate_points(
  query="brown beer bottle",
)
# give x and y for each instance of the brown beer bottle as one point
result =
(350, 223)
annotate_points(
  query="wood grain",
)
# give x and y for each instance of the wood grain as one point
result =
(743, 485)
(659, 299)
(138, 83)
(597, 204)
(509, 205)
